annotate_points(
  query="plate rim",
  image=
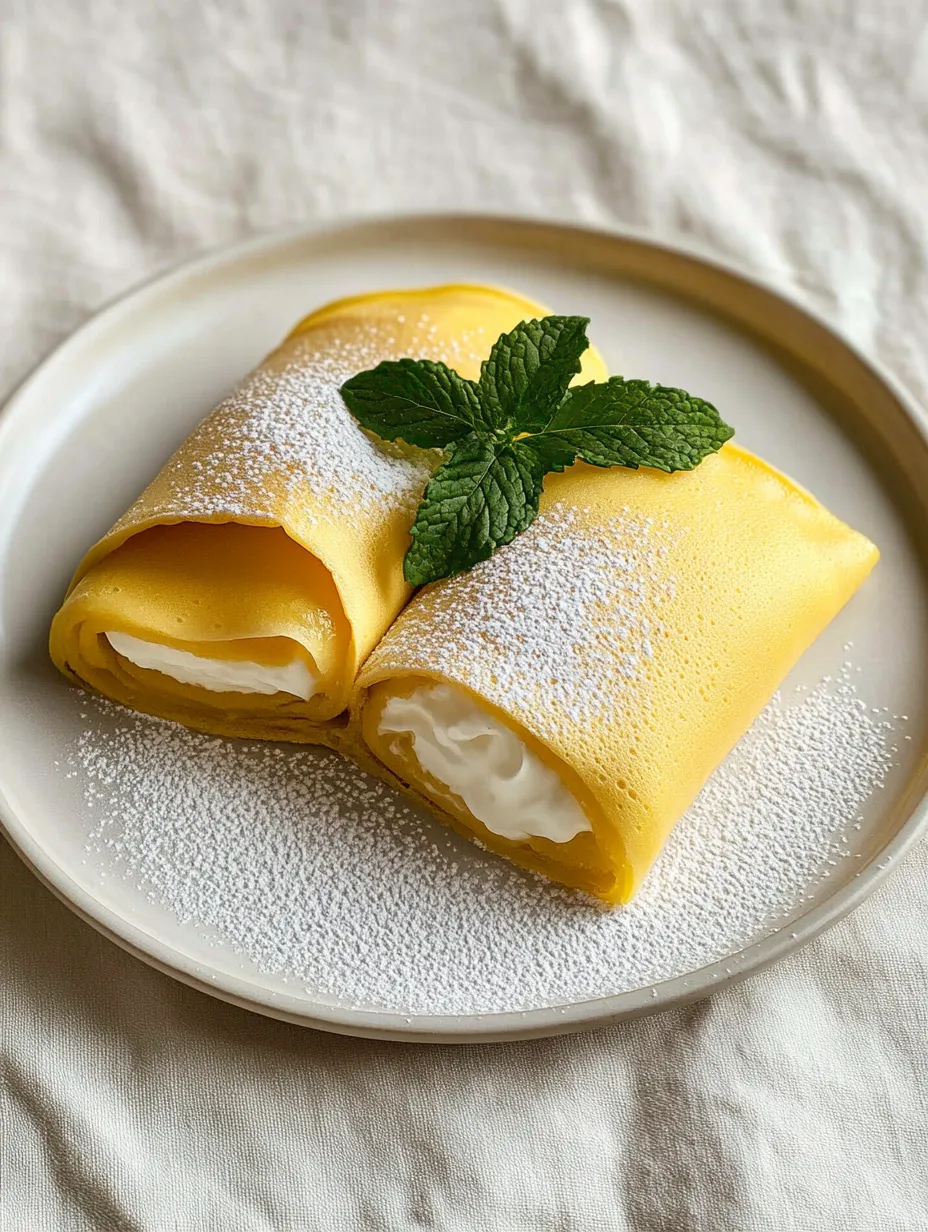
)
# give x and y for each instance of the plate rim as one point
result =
(454, 1028)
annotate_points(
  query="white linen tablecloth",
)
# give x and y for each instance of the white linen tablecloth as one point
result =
(790, 136)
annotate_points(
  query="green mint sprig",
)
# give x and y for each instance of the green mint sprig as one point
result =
(502, 434)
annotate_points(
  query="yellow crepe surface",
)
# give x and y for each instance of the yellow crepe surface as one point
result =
(630, 637)
(278, 528)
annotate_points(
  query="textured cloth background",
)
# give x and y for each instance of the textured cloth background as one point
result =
(791, 136)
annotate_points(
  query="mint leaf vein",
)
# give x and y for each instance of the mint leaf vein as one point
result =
(419, 401)
(526, 374)
(481, 498)
(632, 424)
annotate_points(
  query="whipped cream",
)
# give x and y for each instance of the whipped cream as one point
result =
(485, 764)
(217, 675)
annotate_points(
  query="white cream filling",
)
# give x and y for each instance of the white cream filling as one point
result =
(485, 764)
(217, 675)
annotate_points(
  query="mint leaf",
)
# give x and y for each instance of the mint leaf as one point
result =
(503, 434)
(526, 375)
(416, 400)
(631, 423)
(482, 497)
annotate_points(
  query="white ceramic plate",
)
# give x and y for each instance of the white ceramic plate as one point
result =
(97, 419)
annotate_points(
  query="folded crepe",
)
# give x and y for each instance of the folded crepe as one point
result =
(242, 590)
(564, 701)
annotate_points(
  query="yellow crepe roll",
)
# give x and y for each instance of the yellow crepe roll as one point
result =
(243, 589)
(564, 701)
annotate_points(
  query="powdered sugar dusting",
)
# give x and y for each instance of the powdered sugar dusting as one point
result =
(285, 431)
(312, 870)
(564, 605)
(292, 420)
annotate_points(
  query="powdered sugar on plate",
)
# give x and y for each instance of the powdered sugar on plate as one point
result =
(313, 871)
